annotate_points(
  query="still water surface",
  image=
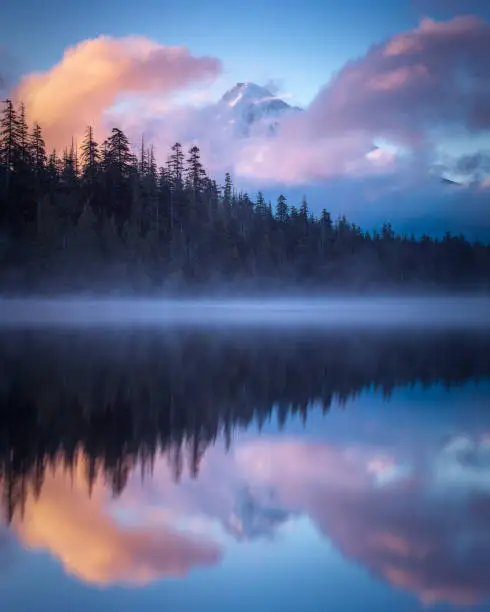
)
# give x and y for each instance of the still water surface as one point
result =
(206, 470)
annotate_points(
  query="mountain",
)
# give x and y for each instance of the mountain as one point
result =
(248, 109)
(255, 515)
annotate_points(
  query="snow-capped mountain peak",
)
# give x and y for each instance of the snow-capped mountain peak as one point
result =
(247, 93)
(252, 109)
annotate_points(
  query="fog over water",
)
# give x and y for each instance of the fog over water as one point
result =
(332, 311)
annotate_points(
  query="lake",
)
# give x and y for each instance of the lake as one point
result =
(264, 467)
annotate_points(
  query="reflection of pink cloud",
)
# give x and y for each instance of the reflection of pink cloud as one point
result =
(93, 74)
(399, 524)
(91, 545)
(394, 530)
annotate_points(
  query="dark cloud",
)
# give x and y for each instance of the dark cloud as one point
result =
(274, 86)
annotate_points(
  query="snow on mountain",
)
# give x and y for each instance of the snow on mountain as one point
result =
(250, 110)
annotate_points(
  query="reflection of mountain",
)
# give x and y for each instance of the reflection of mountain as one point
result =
(122, 398)
(255, 515)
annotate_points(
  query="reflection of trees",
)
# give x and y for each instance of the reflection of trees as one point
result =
(121, 398)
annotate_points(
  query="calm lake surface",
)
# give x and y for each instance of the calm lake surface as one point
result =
(185, 469)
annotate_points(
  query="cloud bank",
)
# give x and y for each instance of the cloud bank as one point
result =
(92, 76)
(410, 91)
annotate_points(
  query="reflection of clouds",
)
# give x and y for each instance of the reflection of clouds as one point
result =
(91, 545)
(392, 516)
(437, 547)
(464, 462)
(403, 520)
(386, 470)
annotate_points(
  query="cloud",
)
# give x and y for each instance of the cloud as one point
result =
(405, 529)
(275, 86)
(92, 76)
(408, 90)
(83, 534)
(474, 167)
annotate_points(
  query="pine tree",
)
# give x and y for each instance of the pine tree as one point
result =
(23, 136)
(227, 193)
(90, 155)
(195, 171)
(9, 144)
(176, 166)
(39, 160)
(119, 163)
(68, 204)
(282, 209)
(260, 206)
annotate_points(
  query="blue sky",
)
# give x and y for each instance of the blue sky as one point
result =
(299, 43)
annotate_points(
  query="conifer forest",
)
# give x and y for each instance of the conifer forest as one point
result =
(98, 216)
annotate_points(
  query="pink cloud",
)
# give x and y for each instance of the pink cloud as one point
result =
(431, 78)
(403, 90)
(435, 73)
(92, 76)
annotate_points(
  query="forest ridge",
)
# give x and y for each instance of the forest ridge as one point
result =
(99, 215)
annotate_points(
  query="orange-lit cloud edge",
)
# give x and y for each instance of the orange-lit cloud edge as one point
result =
(84, 536)
(91, 77)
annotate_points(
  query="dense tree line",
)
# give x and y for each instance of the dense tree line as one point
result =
(122, 399)
(68, 216)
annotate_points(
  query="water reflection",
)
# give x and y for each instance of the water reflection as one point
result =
(131, 458)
